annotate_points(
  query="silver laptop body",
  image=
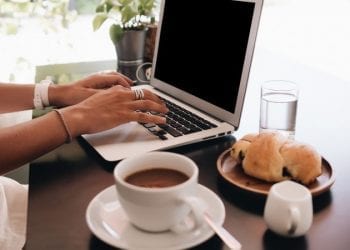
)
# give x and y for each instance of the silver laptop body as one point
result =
(201, 63)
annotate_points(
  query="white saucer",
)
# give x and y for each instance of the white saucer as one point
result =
(108, 221)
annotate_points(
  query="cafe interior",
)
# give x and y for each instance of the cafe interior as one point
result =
(71, 197)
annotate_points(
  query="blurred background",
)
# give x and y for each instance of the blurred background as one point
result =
(312, 32)
(39, 34)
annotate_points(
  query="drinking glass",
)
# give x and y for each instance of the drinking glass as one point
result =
(278, 107)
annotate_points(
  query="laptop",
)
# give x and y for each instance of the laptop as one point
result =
(200, 67)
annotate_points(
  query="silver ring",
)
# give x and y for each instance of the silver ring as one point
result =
(139, 95)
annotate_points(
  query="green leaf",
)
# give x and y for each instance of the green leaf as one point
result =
(115, 33)
(109, 6)
(125, 2)
(100, 8)
(127, 14)
(146, 6)
(98, 20)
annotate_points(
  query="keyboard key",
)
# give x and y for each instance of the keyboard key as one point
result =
(179, 122)
(170, 130)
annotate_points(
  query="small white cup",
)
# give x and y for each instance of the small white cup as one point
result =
(163, 208)
(288, 209)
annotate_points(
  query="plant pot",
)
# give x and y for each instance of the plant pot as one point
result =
(130, 52)
(150, 42)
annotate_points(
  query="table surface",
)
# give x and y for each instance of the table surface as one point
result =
(63, 182)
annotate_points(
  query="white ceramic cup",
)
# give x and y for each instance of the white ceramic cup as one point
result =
(288, 209)
(164, 208)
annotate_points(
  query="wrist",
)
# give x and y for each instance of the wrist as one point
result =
(57, 94)
(62, 95)
(74, 118)
(64, 123)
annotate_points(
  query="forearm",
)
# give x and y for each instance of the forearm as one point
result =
(25, 142)
(104, 110)
(16, 97)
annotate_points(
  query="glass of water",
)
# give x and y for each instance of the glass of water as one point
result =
(278, 107)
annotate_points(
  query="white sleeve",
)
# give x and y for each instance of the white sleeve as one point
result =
(13, 213)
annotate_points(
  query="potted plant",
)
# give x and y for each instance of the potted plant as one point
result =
(130, 20)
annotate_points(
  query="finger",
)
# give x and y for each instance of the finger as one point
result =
(148, 105)
(116, 73)
(146, 117)
(126, 79)
(148, 95)
(121, 94)
(120, 79)
(110, 80)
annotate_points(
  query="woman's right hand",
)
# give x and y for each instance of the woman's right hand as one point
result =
(112, 107)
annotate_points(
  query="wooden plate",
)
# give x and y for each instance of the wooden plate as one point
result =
(234, 174)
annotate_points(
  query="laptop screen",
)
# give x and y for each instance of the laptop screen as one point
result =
(202, 50)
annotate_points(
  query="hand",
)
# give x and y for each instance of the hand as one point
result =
(104, 80)
(73, 93)
(112, 107)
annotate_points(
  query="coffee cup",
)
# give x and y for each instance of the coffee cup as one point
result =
(288, 210)
(158, 192)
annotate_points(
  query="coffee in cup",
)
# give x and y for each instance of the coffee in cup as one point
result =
(156, 178)
(158, 192)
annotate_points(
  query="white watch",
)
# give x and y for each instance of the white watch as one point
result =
(41, 94)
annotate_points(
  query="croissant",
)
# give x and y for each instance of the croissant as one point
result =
(272, 157)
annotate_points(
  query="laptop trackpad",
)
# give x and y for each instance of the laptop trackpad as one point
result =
(122, 141)
(129, 132)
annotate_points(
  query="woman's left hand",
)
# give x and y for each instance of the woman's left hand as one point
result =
(73, 93)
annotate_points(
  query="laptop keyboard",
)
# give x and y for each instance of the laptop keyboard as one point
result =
(179, 122)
